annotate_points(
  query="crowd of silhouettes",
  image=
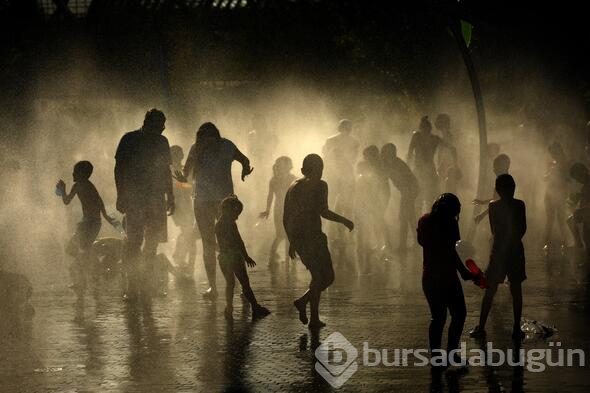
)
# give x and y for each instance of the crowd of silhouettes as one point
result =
(153, 182)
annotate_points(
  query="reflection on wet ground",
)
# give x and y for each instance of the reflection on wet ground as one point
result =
(182, 343)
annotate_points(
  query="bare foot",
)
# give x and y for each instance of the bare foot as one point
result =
(301, 307)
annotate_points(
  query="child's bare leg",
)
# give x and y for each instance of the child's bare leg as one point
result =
(516, 291)
(486, 305)
(320, 281)
(273, 249)
(230, 282)
(301, 305)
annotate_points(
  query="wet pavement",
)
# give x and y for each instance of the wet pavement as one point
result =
(182, 343)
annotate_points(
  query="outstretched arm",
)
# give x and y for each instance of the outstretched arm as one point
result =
(328, 214)
(242, 159)
(332, 216)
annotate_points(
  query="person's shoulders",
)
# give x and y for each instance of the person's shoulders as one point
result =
(131, 135)
(494, 203)
(128, 138)
(228, 143)
(520, 203)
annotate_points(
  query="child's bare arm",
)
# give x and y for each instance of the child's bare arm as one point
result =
(332, 216)
(103, 211)
(328, 214)
(67, 198)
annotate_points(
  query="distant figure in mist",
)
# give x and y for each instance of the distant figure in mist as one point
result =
(438, 232)
(144, 195)
(340, 153)
(185, 250)
(233, 257)
(581, 215)
(306, 203)
(80, 245)
(277, 189)
(557, 179)
(209, 161)
(406, 183)
(423, 147)
(508, 225)
(379, 195)
(364, 215)
(449, 170)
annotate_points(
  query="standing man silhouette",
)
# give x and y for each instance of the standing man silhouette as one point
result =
(144, 195)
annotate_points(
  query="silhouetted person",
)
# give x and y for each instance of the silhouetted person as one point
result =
(380, 197)
(210, 160)
(447, 153)
(185, 249)
(438, 232)
(404, 180)
(340, 154)
(80, 245)
(508, 225)
(306, 203)
(233, 257)
(365, 211)
(581, 216)
(500, 166)
(277, 189)
(557, 178)
(423, 146)
(144, 195)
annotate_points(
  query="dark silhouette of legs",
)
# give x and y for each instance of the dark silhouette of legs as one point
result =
(458, 312)
(486, 305)
(516, 291)
(206, 215)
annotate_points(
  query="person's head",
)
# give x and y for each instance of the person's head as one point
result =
(371, 154)
(446, 207)
(345, 126)
(176, 154)
(443, 122)
(313, 166)
(154, 121)
(425, 125)
(388, 153)
(282, 166)
(82, 171)
(505, 186)
(556, 151)
(231, 207)
(207, 135)
(501, 164)
(579, 172)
